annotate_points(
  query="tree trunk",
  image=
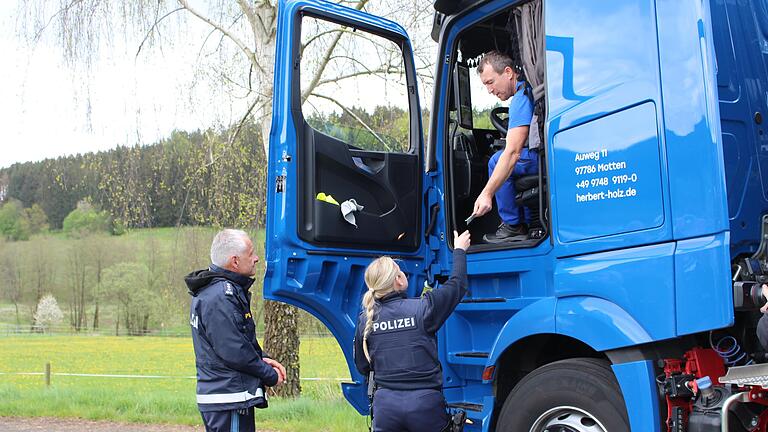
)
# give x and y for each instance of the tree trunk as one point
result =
(96, 317)
(281, 321)
(281, 342)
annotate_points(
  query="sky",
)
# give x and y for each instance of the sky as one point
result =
(47, 110)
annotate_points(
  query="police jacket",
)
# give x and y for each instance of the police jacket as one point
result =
(402, 342)
(230, 371)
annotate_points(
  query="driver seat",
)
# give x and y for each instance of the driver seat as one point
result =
(528, 192)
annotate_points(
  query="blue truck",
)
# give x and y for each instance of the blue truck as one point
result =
(642, 273)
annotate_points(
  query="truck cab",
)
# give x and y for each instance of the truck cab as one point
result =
(647, 232)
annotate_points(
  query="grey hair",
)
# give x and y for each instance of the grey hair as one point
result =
(497, 60)
(226, 243)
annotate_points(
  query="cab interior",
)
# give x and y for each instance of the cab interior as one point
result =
(476, 131)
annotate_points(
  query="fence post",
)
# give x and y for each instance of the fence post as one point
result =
(48, 374)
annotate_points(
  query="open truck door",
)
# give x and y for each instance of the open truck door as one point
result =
(332, 141)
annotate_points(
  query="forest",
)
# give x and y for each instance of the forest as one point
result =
(72, 226)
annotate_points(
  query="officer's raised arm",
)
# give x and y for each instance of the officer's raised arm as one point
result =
(442, 301)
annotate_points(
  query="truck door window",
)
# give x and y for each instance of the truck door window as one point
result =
(358, 180)
(482, 102)
(353, 86)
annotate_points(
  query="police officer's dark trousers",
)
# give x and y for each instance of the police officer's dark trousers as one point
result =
(409, 410)
(229, 421)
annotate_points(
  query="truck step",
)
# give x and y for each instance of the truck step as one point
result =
(466, 406)
(469, 358)
(490, 304)
(477, 414)
(751, 375)
(473, 354)
(485, 300)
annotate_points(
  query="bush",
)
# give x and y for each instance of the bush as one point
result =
(14, 223)
(138, 306)
(38, 220)
(85, 219)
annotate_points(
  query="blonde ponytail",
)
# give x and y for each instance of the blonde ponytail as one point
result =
(380, 280)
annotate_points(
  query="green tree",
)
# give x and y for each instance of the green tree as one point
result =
(38, 221)
(85, 219)
(12, 288)
(14, 224)
(137, 309)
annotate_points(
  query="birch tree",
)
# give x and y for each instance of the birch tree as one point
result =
(241, 39)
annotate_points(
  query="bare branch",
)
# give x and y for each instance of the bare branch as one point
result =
(317, 36)
(327, 57)
(359, 120)
(246, 8)
(248, 52)
(149, 32)
(65, 9)
(242, 121)
(352, 59)
(352, 75)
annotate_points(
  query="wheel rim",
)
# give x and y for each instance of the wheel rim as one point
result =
(567, 419)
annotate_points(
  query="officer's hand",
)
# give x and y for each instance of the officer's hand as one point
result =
(483, 204)
(280, 369)
(280, 376)
(764, 289)
(461, 241)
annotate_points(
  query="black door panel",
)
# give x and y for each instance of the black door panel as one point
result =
(385, 184)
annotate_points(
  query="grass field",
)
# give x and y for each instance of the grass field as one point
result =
(48, 264)
(155, 400)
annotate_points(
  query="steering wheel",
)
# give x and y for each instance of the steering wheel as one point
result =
(500, 123)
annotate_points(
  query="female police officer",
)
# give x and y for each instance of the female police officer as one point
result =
(395, 337)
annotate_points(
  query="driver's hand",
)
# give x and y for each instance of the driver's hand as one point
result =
(483, 205)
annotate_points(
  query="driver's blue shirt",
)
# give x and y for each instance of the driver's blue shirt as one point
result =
(520, 107)
(521, 114)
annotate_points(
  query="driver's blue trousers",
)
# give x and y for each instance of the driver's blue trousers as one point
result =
(528, 164)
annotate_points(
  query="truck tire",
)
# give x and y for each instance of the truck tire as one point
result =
(574, 395)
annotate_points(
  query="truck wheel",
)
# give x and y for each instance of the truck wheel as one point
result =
(574, 395)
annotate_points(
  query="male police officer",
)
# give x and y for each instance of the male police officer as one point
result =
(499, 76)
(232, 370)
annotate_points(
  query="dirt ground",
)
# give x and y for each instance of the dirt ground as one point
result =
(19, 424)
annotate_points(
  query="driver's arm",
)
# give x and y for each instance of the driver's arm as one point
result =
(516, 137)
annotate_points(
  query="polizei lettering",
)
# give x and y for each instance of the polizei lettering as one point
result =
(394, 324)
(193, 320)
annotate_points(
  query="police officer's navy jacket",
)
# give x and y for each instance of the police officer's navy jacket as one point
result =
(402, 342)
(230, 371)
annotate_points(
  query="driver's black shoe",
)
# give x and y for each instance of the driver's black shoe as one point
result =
(508, 233)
